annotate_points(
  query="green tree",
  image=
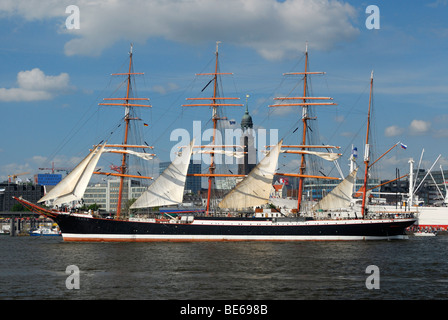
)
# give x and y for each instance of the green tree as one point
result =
(18, 207)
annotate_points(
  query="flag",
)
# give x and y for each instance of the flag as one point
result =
(354, 153)
(145, 124)
(403, 146)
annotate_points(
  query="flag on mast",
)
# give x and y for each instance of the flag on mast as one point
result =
(354, 153)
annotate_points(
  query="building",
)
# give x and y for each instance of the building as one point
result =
(106, 194)
(28, 191)
(47, 179)
(249, 161)
(192, 184)
(430, 188)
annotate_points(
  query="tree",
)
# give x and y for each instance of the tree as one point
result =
(94, 207)
(18, 207)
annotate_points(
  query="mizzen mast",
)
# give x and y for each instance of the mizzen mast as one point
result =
(128, 104)
(305, 103)
(214, 104)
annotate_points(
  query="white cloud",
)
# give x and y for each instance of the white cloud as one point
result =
(282, 111)
(415, 128)
(393, 131)
(272, 28)
(164, 89)
(33, 9)
(438, 3)
(348, 134)
(419, 127)
(35, 85)
(441, 133)
(19, 94)
(34, 163)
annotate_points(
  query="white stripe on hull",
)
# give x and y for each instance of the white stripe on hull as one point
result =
(188, 238)
(295, 223)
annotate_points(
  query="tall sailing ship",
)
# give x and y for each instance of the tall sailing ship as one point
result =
(224, 222)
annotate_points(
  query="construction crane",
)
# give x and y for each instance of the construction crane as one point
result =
(53, 169)
(14, 176)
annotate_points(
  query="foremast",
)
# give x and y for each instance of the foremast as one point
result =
(214, 104)
(306, 102)
(128, 104)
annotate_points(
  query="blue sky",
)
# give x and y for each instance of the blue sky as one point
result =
(52, 78)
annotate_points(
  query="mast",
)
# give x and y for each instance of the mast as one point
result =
(411, 182)
(305, 117)
(215, 118)
(367, 151)
(127, 119)
(215, 122)
(125, 141)
(305, 126)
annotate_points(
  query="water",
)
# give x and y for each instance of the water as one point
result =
(34, 268)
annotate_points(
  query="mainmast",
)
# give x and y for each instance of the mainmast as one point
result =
(367, 151)
(215, 118)
(127, 119)
(305, 104)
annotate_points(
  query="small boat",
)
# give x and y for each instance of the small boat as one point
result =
(45, 231)
(424, 234)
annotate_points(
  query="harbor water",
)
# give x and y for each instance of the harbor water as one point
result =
(35, 268)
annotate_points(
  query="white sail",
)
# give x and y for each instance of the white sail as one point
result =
(329, 156)
(340, 196)
(142, 155)
(168, 188)
(229, 153)
(254, 190)
(73, 186)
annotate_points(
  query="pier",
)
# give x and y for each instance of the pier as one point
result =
(21, 223)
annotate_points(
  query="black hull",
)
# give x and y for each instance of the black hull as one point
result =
(75, 228)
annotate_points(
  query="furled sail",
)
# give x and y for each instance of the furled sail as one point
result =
(229, 153)
(168, 188)
(329, 156)
(254, 190)
(340, 196)
(142, 155)
(73, 186)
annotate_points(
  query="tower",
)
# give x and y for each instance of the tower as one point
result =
(249, 160)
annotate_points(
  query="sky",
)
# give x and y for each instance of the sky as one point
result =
(53, 76)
